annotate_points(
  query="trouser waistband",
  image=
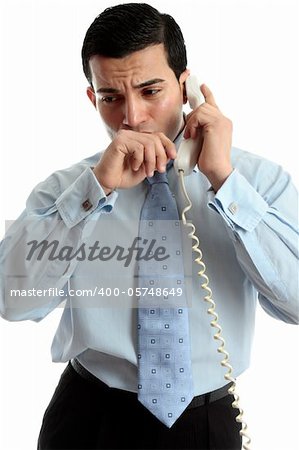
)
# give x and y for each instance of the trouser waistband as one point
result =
(199, 400)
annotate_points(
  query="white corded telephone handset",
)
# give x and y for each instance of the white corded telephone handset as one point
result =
(189, 148)
(184, 164)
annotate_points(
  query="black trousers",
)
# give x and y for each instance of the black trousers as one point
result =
(85, 415)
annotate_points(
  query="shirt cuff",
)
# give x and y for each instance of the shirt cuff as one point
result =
(238, 202)
(82, 198)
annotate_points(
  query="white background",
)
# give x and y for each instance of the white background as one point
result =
(247, 52)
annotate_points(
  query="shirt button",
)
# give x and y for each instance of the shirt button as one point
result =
(86, 205)
(233, 208)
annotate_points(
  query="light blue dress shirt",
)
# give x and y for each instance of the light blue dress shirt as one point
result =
(249, 239)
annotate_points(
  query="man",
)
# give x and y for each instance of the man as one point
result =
(135, 61)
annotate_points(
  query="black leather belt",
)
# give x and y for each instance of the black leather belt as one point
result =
(199, 400)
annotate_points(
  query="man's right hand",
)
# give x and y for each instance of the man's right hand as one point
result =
(131, 157)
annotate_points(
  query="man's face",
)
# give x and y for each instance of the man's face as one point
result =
(139, 92)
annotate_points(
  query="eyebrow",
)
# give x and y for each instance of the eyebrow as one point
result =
(108, 90)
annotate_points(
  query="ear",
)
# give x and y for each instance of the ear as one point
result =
(91, 95)
(183, 77)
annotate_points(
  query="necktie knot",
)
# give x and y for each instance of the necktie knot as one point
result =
(158, 178)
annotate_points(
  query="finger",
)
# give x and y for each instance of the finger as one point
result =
(142, 148)
(198, 118)
(207, 93)
(193, 122)
(154, 153)
(168, 146)
(192, 130)
(149, 158)
(163, 148)
(161, 156)
(137, 155)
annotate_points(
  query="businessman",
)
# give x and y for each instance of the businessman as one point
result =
(244, 207)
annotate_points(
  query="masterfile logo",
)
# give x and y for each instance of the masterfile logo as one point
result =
(140, 249)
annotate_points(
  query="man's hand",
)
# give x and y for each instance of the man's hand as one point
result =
(215, 131)
(131, 157)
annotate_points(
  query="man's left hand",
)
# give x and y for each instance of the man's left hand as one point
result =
(215, 132)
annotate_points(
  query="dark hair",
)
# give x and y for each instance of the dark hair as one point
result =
(126, 28)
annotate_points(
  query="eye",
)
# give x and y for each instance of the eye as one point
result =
(151, 92)
(109, 99)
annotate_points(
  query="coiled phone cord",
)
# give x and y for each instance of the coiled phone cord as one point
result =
(214, 322)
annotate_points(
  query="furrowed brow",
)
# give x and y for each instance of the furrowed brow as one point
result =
(108, 90)
(149, 83)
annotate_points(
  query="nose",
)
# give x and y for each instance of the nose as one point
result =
(134, 113)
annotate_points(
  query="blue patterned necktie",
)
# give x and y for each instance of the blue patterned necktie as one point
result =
(165, 384)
